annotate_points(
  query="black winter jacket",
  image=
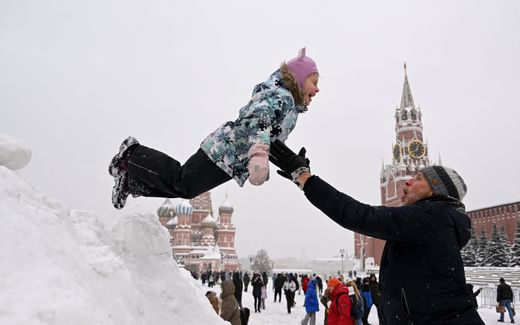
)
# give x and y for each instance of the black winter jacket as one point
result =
(421, 266)
(504, 292)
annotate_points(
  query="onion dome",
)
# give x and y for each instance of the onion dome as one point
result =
(226, 206)
(184, 208)
(172, 223)
(209, 222)
(166, 210)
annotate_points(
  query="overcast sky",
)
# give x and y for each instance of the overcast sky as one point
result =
(77, 77)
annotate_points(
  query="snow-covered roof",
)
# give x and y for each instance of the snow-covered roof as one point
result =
(172, 223)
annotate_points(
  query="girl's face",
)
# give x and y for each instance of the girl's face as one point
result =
(311, 88)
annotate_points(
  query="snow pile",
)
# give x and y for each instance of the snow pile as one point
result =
(14, 152)
(61, 266)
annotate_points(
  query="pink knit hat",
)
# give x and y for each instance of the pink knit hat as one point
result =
(301, 67)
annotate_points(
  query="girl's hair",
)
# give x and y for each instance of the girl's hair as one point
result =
(291, 84)
(356, 290)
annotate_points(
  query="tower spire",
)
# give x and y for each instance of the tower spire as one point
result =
(406, 97)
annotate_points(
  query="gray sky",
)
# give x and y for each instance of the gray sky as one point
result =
(76, 77)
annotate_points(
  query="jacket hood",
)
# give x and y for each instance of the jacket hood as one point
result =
(283, 78)
(228, 289)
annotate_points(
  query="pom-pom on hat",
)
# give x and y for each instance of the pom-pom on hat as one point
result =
(301, 67)
(445, 181)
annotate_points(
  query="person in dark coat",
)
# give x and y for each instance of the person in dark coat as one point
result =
(374, 290)
(421, 275)
(265, 278)
(505, 298)
(319, 283)
(257, 284)
(246, 281)
(278, 286)
(237, 281)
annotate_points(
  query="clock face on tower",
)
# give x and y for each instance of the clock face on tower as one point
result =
(416, 149)
(397, 152)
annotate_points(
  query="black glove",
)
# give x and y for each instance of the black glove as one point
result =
(292, 165)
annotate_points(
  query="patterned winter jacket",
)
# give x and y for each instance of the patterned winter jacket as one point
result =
(270, 114)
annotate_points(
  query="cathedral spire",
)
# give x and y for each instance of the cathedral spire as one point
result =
(406, 98)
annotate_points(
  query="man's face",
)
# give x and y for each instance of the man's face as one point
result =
(415, 189)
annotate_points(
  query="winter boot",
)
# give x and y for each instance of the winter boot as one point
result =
(121, 190)
(119, 163)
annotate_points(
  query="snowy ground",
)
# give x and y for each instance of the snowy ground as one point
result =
(276, 313)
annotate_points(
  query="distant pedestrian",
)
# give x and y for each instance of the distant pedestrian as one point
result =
(289, 289)
(324, 299)
(311, 304)
(469, 286)
(265, 278)
(246, 281)
(505, 298)
(237, 281)
(257, 284)
(367, 300)
(319, 282)
(305, 283)
(339, 310)
(263, 296)
(358, 305)
(374, 290)
(278, 286)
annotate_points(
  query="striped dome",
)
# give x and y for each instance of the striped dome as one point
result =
(184, 208)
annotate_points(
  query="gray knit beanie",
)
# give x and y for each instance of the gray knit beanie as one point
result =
(445, 181)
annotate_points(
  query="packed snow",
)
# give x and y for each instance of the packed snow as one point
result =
(14, 153)
(61, 266)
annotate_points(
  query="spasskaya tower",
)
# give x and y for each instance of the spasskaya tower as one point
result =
(409, 154)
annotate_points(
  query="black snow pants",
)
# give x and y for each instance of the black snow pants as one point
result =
(159, 175)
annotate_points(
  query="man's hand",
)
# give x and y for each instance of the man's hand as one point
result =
(292, 165)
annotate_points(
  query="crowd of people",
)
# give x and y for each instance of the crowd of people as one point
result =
(345, 301)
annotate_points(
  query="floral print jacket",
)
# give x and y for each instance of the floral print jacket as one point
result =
(270, 114)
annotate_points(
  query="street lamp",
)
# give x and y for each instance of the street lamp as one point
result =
(342, 252)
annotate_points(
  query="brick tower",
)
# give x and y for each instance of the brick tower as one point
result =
(409, 154)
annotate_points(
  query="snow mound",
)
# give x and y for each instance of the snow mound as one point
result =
(14, 153)
(61, 266)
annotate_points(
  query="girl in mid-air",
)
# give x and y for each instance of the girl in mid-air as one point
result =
(237, 150)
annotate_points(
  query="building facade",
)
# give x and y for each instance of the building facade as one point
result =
(503, 215)
(199, 240)
(409, 154)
